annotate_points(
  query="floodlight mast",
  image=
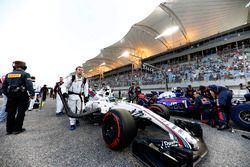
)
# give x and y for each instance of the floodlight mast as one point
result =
(143, 64)
(101, 71)
(127, 54)
(164, 73)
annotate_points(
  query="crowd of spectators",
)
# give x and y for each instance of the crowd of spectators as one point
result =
(214, 67)
(211, 68)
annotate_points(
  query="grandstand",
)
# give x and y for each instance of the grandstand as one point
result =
(209, 43)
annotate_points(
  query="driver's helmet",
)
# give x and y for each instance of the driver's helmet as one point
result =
(177, 91)
(174, 89)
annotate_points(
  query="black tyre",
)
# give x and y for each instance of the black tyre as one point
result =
(241, 116)
(118, 129)
(160, 110)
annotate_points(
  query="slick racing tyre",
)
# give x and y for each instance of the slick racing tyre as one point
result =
(118, 129)
(241, 116)
(160, 110)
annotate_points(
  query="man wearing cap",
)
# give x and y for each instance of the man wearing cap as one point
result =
(18, 88)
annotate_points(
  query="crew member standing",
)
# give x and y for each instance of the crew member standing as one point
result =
(43, 92)
(131, 92)
(77, 88)
(59, 105)
(15, 87)
(37, 90)
(189, 92)
(93, 91)
(137, 91)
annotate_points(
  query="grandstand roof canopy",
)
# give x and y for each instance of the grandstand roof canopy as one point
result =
(173, 23)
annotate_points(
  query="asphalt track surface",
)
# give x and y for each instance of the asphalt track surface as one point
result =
(48, 142)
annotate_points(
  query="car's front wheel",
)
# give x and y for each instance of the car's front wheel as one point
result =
(160, 110)
(118, 129)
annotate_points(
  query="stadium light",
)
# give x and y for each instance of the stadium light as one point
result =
(127, 54)
(103, 64)
(100, 69)
(124, 54)
(169, 31)
(247, 5)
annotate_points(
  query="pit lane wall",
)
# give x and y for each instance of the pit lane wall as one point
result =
(232, 84)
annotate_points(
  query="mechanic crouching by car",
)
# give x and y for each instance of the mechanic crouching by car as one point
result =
(15, 87)
(77, 88)
(203, 109)
(223, 97)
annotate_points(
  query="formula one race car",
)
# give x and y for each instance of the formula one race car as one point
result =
(177, 104)
(174, 104)
(101, 103)
(166, 144)
(162, 144)
(240, 112)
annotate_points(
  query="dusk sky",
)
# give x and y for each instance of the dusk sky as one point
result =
(55, 36)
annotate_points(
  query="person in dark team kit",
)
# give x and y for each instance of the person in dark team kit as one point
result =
(223, 97)
(59, 105)
(18, 88)
(137, 91)
(189, 92)
(131, 92)
(43, 92)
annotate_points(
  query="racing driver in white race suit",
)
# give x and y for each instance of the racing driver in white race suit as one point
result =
(75, 88)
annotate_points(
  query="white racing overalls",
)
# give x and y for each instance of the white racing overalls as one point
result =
(76, 90)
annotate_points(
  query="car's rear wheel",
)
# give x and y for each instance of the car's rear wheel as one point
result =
(160, 110)
(118, 129)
